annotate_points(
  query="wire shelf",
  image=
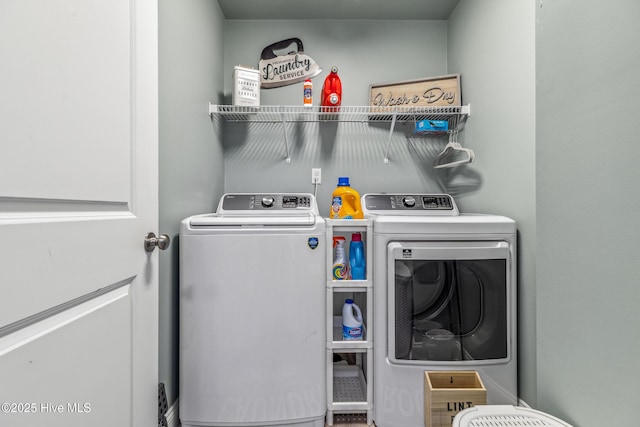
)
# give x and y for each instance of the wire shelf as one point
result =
(294, 113)
(455, 116)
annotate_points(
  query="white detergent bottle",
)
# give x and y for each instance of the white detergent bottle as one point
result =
(351, 321)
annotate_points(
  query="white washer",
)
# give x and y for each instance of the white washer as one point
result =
(252, 307)
(444, 299)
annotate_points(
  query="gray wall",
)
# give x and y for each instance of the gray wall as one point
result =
(365, 52)
(191, 166)
(587, 210)
(492, 45)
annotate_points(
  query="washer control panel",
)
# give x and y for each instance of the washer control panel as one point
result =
(409, 204)
(263, 202)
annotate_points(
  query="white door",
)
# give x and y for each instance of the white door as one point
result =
(78, 193)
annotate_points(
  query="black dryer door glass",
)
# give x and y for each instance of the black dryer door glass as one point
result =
(448, 309)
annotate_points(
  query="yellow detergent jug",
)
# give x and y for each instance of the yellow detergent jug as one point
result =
(345, 201)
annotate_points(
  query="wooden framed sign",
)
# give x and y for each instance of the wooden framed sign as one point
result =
(436, 91)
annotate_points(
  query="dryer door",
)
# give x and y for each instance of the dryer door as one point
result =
(449, 301)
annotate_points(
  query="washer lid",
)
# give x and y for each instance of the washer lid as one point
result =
(218, 220)
(506, 416)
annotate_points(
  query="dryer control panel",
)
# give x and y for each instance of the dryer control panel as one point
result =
(409, 204)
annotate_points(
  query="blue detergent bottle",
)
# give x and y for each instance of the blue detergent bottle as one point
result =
(357, 259)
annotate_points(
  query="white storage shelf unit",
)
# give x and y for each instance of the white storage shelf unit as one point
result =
(349, 386)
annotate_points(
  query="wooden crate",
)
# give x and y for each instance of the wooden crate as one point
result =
(448, 392)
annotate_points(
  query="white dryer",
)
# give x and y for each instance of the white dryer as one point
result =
(444, 299)
(252, 313)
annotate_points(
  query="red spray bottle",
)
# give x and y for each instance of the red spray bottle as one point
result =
(332, 89)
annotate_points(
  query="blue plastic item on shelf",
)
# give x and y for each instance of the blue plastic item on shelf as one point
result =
(357, 259)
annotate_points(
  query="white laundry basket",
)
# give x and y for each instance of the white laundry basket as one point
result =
(505, 416)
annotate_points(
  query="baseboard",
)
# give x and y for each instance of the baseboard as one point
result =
(173, 419)
(172, 416)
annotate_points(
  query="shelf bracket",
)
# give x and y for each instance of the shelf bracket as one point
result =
(391, 129)
(465, 112)
(286, 141)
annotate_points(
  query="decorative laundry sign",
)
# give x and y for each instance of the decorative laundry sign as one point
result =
(436, 91)
(282, 70)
